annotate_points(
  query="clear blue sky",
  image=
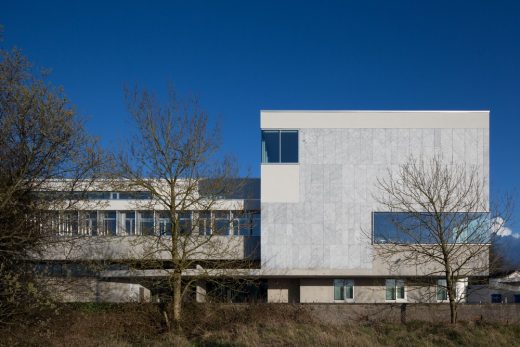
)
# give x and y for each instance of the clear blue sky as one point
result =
(243, 56)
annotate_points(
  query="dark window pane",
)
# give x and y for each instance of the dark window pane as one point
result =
(442, 293)
(221, 223)
(399, 284)
(98, 195)
(496, 298)
(289, 144)
(134, 195)
(185, 223)
(256, 224)
(270, 146)
(147, 223)
(390, 289)
(242, 225)
(339, 293)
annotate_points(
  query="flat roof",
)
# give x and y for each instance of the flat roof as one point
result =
(408, 119)
(379, 111)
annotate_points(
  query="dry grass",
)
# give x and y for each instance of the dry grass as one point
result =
(242, 325)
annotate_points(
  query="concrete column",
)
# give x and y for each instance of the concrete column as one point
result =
(200, 291)
(461, 289)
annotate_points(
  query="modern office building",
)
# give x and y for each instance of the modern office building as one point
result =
(311, 223)
(319, 170)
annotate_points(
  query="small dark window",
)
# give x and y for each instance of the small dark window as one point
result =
(496, 298)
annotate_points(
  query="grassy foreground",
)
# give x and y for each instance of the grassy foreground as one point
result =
(256, 325)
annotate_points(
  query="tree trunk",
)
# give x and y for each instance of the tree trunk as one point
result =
(452, 296)
(453, 311)
(177, 301)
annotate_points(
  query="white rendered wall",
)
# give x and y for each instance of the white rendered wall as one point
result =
(328, 227)
(280, 183)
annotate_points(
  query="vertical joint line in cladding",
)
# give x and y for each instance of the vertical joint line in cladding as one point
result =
(451, 159)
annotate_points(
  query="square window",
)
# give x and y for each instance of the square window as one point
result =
(279, 146)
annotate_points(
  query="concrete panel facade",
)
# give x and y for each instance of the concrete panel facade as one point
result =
(329, 228)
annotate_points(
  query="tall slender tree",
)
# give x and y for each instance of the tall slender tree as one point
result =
(175, 156)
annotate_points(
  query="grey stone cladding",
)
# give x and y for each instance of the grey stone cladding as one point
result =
(330, 227)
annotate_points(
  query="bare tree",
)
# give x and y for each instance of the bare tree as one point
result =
(174, 156)
(41, 141)
(441, 219)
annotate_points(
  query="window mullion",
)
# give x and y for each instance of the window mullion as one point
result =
(279, 146)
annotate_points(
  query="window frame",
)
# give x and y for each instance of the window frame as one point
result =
(377, 240)
(109, 216)
(164, 223)
(204, 223)
(132, 231)
(68, 223)
(147, 216)
(343, 289)
(88, 222)
(279, 131)
(220, 219)
(395, 288)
